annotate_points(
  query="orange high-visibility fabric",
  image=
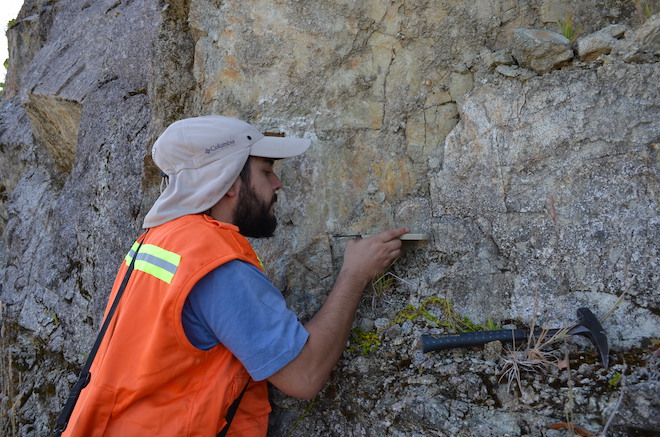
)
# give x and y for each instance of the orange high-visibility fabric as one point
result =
(147, 379)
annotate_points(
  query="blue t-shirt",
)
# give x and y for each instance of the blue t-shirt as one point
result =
(237, 305)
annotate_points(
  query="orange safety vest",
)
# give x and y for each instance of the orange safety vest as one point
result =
(147, 378)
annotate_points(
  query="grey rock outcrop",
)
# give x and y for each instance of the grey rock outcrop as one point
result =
(516, 223)
(644, 45)
(541, 50)
(592, 46)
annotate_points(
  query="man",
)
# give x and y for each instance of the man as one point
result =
(199, 326)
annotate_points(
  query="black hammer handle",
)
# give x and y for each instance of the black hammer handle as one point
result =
(464, 339)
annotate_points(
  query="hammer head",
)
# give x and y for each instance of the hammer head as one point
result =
(589, 326)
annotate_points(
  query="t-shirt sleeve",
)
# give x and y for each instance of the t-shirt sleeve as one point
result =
(237, 305)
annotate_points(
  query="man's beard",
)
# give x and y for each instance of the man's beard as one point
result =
(253, 216)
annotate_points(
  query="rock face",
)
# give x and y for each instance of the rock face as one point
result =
(531, 162)
(543, 209)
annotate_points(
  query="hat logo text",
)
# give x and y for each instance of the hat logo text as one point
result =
(219, 146)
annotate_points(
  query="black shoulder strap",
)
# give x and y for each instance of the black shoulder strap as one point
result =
(232, 410)
(85, 376)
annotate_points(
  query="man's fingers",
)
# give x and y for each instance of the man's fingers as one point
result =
(395, 252)
(392, 234)
(370, 257)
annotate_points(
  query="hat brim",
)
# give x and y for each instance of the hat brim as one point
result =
(279, 147)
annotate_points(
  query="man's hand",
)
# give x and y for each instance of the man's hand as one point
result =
(365, 259)
(329, 328)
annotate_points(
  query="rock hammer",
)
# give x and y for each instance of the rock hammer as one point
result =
(588, 326)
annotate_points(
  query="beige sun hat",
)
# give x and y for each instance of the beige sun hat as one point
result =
(202, 158)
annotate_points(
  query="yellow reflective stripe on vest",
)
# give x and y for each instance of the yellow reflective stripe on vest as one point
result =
(131, 253)
(155, 261)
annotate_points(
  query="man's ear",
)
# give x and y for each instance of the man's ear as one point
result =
(223, 211)
(233, 190)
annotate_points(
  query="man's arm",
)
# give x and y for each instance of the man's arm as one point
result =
(328, 330)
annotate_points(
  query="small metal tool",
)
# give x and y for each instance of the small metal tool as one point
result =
(404, 237)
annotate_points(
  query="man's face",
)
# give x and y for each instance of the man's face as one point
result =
(255, 211)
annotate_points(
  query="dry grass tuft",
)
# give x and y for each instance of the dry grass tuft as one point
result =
(531, 359)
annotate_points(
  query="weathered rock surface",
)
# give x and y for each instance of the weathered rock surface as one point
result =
(549, 240)
(590, 47)
(536, 178)
(541, 50)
